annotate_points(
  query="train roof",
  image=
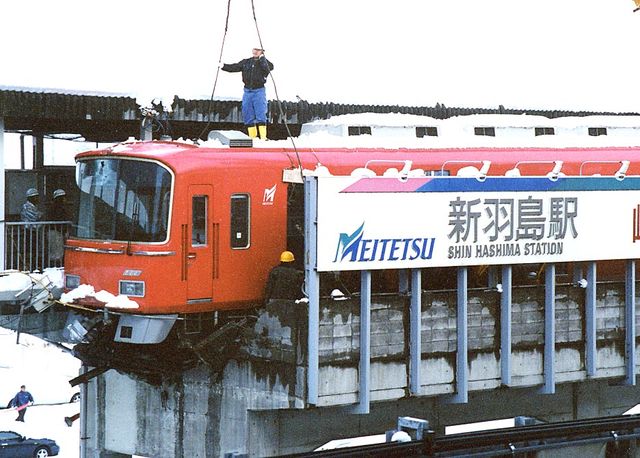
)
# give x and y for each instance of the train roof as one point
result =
(349, 139)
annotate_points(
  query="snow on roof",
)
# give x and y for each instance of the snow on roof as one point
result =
(395, 130)
(598, 121)
(376, 119)
(498, 120)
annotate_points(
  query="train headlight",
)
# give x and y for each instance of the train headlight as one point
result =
(131, 288)
(71, 281)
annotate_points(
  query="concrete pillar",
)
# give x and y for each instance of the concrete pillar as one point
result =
(2, 196)
(586, 401)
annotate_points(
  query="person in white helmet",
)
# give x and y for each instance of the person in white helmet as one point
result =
(30, 212)
(32, 239)
(59, 206)
(57, 232)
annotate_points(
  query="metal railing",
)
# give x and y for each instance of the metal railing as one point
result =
(35, 246)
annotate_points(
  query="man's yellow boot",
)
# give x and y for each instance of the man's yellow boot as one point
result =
(252, 131)
(262, 129)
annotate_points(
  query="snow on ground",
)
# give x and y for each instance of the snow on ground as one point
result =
(45, 370)
(47, 421)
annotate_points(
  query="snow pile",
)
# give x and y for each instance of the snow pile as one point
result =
(13, 282)
(80, 292)
(110, 301)
(25, 364)
(54, 275)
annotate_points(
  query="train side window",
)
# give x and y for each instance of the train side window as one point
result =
(199, 220)
(240, 219)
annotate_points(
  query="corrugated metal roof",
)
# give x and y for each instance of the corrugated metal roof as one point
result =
(116, 116)
(48, 104)
(302, 111)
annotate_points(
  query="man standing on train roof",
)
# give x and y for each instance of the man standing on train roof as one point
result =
(285, 281)
(254, 99)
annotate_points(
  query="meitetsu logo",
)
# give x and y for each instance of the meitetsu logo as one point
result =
(355, 247)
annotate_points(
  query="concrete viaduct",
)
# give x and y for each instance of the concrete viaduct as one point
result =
(480, 357)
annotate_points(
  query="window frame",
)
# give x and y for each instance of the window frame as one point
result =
(540, 131)
(484, 131)
(353, 131)
(426, 131)
(233, 232)
(597, 131)
(205, 220)
(168, 208)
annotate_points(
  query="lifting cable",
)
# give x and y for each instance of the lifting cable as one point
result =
(282, 114)
(275, 89)
(215, 83)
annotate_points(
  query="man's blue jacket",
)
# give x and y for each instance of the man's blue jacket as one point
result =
(22, 398)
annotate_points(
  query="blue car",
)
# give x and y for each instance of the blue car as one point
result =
(13, 445)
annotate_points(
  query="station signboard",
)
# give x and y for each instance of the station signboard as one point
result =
(389, 223)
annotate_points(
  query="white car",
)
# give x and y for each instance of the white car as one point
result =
(43, 368)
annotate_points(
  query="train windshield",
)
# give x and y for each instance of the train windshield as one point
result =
(123, 199)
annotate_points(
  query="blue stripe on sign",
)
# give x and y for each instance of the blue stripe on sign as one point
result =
(493, 184)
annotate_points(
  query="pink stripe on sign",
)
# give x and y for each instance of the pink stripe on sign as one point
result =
(383, 184)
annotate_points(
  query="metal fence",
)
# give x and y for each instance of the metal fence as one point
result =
(35, 246)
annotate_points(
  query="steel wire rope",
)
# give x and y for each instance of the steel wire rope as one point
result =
(275, 89)
(215, 82)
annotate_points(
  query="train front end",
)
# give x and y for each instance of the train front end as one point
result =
(121, 257)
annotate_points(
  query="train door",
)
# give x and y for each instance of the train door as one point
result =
(200, 247)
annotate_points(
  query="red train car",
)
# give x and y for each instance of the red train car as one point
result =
(183, 229)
